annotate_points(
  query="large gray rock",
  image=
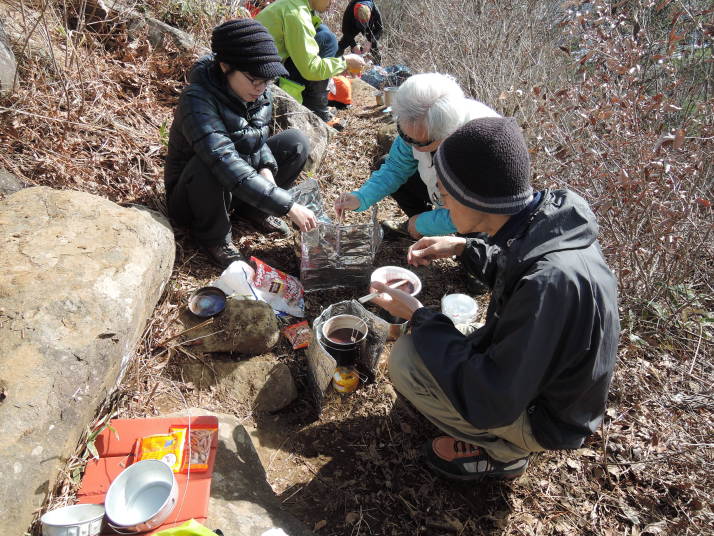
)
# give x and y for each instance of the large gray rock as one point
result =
(9, 183)
(8, 65)
(242, 502)
(79, 276)
(289, 113)
(99, 15)
(244, 326)
(263, 383)
(159, 33)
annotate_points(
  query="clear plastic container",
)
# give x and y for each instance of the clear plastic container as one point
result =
(460, 308)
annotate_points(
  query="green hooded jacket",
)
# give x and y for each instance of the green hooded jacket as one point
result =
(292, 25)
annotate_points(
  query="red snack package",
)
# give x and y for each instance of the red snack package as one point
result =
(283, 292)
(298, 334)
(198, 447)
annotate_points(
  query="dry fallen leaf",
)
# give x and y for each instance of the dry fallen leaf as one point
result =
(573, 464)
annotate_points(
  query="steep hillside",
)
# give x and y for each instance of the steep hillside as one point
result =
(91, 113)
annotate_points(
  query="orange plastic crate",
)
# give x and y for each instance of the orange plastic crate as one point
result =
(116, 454)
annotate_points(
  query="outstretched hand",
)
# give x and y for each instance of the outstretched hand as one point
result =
(355, 63)
(303, 217)
(429, 248)
(345, 202)
(396, 302)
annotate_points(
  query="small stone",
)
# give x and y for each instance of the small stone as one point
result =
(244, 326)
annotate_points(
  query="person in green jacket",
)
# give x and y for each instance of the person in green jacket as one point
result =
(307, 48)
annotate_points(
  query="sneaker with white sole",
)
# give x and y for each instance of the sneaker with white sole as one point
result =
(459, 460)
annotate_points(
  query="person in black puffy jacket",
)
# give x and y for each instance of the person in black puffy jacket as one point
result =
(221, 158)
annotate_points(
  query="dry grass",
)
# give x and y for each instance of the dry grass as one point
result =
(356, 471)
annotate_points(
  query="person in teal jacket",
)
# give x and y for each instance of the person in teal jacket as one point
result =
(428, 108)
(307, 48)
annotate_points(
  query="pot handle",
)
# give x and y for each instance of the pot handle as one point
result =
(118, 529)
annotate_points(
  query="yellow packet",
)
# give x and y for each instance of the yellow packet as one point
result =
(169, 448)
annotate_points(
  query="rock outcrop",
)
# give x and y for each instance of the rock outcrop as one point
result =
(159, 33)
(9, 183)
(8, 65)
(100, 15)
(242, 502)
(289, 113)
(79, 276)
(263, 383)
(245, 326)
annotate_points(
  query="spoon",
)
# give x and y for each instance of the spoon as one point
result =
(365, 299)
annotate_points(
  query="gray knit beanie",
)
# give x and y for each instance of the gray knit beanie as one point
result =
(485, 165)
(246, 45)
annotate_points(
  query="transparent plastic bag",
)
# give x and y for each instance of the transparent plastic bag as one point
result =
(391, 76)
(332, 255)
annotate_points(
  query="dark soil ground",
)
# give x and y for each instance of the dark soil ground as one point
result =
(357, 469)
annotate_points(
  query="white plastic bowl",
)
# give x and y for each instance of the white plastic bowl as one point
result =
(390, 273)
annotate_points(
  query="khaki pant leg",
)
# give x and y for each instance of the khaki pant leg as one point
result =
(414, 381)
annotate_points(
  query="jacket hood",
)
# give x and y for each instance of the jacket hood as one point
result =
(204, 74)
(562, 221)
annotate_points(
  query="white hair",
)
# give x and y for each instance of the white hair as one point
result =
(437, 101)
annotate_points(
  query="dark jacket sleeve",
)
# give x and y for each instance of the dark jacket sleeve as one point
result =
(204, 129)
(375, 28)
(493, 386)
(348, 21)
(267, 160)
(481, 259)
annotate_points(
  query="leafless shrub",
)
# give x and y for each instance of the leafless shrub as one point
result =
(634, 133)
(489, 47)
(617, 103)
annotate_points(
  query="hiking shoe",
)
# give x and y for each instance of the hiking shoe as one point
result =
(394, 230)
(223, 254)
(323, 113)
(459, 460)
(268, 224)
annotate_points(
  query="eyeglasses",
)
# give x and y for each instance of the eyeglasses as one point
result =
(412, 141)
(259, 82)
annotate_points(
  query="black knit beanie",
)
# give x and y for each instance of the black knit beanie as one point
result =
(485, 165)
(246, 45)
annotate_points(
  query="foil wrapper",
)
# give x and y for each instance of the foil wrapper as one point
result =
(321, 365)
(333, 255)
